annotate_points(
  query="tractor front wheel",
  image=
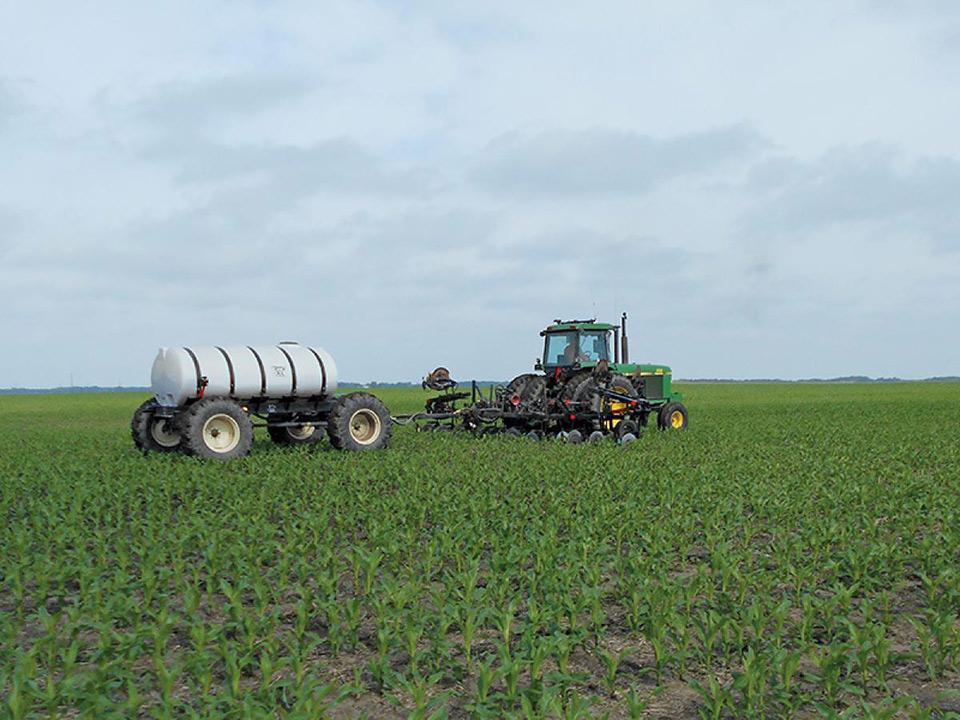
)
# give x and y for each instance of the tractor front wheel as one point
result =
(359, 421)
(672, 416)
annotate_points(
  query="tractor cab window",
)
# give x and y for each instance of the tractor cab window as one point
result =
(560, 348)
(593, 346)
(566, 348)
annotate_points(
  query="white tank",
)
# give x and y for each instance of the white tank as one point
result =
(278, 371)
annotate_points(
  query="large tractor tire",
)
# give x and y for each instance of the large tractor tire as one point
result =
(216, 428)
(303, 435)
(533, 396)
(153, 434)
(515, 388)
(513, 397)
(622, 385)
(672, 416)
(574, 390)
(359, 421)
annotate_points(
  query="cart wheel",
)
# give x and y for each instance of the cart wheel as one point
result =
(153, 434)
(672, 416)
(575, 437)
(596, 436)
(533, 435)
(217, 428)
(359, 421)
(627, 438)
(303, 435)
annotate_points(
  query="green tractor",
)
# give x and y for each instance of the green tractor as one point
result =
(578, 370)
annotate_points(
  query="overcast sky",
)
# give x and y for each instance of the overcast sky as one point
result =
(769, 189)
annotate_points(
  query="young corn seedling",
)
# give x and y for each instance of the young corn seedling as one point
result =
(715, 697)
(611, 663)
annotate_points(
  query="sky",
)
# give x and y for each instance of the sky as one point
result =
(768, 189)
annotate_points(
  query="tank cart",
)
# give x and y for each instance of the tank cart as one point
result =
(207, 401)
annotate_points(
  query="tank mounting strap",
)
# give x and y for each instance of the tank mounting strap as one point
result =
(293, 370)
(263, 372)
(323, 372)
(233, 378)
(196, 366)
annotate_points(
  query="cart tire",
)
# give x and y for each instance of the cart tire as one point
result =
(628, 438)
(575, 437)
(359, 421)
(672, 416)
(304, 435)
(216, 428)
(513, 432)
(152, 434)
(596, 436)
(533, 435)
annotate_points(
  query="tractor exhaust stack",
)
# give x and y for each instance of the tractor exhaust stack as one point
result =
(623, 339)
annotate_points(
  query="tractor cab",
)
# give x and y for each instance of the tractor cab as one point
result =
(573, 344)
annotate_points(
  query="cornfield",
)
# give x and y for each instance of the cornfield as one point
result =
(794, 553)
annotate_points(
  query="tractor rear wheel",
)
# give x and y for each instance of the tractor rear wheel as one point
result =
(672, 416)
(359, 421)
(216, 428)
(533, 396)
(153, 434)
(515, 388)
(290, 435)
(573, 389)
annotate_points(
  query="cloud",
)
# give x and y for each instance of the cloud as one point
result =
(187, 122)
(11, 224)
(12, 104)
(606, 161)
(194, 105)
(289, 172)
(869, 185)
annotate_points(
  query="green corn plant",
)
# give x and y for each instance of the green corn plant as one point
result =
(412, 632)
(470, 619)
(832, 662)
(636, 707)
(510, 669)
(611, 663)
(752, 681)
(487, 675)
(715, 697)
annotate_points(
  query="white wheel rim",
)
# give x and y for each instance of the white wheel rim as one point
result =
(302, 432)
(163, 434)
(364, 426)
(221, 433)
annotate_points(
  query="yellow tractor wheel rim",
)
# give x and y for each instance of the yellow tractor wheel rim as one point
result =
(617, 408)
(676, 419)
